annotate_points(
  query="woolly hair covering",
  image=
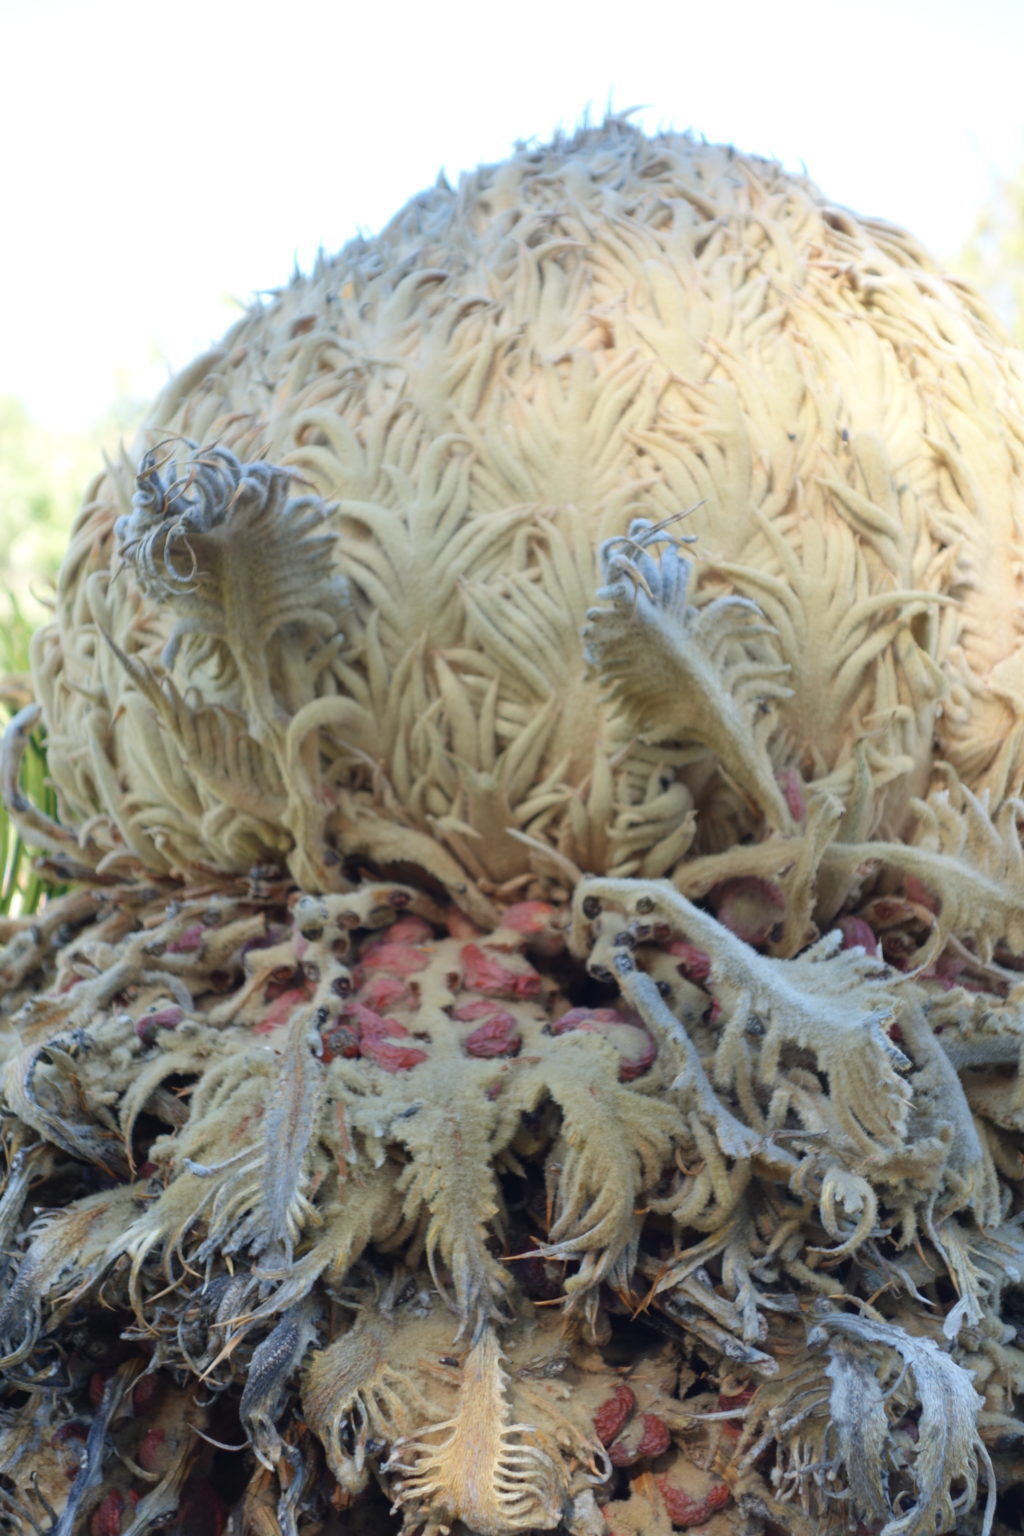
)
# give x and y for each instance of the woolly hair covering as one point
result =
(398, 571)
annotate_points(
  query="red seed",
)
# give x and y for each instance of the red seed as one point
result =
(281, 1009)
(281, 979)
(640, 1442)
(537, 925)
(611, 1417)
(375, 1036)
(856, 931)
(392, 1058)
(890, 911)
(792, 786)
(599, 1020)
(69, 1443)
(72, 1430)
(479, 1008)
(921, 893)
(97, 1385)
(188, 942)
(632, 1067)
(152, 1455)
(382, 992)
(948, 972)
(692, 962)
(149, 1385)
(106, 1517)
(497, 1036)
(460, 926)
(370, 1024)
(655, 1439)
(147, 1024)
(166, 1018)
(407, 930)
(726, 1400)
(684, 1510)
(484, 973)
(528, 917)
(201, 1512)
(589, 1019)
(394, 959)
(749, 907)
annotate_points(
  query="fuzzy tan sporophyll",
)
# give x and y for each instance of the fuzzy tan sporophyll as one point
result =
(386, 635)
(534, 1045)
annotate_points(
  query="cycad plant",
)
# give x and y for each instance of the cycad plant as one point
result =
(532, 1040)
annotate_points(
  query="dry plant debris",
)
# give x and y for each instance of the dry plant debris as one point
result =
(534, 1040)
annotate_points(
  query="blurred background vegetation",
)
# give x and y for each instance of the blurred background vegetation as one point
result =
(43, 477)
(45, 473)
(993, 257)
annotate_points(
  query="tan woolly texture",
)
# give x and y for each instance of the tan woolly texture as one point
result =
(608, 328)
(536, 1044)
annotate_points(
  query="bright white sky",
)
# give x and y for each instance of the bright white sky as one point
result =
(163, 161)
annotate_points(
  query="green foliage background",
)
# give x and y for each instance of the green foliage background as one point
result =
(43, 476)
(21, 888)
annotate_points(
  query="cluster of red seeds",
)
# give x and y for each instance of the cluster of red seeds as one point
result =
(631, 1438)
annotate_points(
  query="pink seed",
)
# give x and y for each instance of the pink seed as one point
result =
(394, 959)
(392, 1058)
(917, 891)
(498, 1036)
(460, 926)
(152, 1452)
(480, 1008)
(588, 1019)
(370, 1024)
(189, 941)
(383, 992)
(792, 786)
(483, 973)
(632, 1067)
(856, 931)
(640, 1442)
(408, 930)
(691, 962)
(749, 907)
(281, 1009)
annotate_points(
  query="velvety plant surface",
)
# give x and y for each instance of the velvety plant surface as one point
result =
(532, 1039)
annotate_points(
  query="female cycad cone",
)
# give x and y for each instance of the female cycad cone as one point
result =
(533, 1047)
(387, 638)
